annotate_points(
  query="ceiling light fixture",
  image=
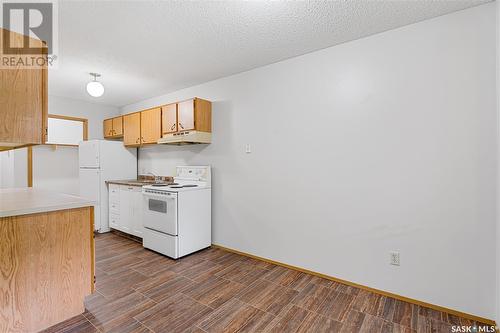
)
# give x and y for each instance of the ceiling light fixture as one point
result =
(94, 87)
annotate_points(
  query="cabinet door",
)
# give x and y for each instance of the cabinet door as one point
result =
(23, 100)
(132, 129)
(114, 193)
(151, 125)
(117, 126)
(185, 115)
(125, 210)
(108, 127)
(136, 204)
(114, 221)
(169, 118)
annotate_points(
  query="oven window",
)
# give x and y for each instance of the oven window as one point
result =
(158, 206)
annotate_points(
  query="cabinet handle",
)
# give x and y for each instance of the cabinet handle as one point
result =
(137, 141)
(142, 139)
(173, 126)
(181, 126)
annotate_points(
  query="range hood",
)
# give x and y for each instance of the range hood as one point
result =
(186, 138)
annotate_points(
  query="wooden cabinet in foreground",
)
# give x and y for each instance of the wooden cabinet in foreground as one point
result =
(187, 122)
(47, 267)
(23, 99)
(113, 128)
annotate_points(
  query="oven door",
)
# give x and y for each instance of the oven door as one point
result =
(160, 212)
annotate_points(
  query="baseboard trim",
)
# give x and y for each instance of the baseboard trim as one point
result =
(360, 286)
(125, 235)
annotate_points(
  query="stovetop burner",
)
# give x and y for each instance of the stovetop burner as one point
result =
(190, 185)
(159, 185)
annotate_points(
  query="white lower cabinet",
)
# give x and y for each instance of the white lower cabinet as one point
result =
(125, 209)
(136, 206)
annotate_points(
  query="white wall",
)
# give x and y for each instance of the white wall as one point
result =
(14, 168)
(95, 113)
(384, 143)
(57, 169)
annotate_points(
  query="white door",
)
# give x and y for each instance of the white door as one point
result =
(125, 209)
(90, 182)
(136, 204)
(88, 154)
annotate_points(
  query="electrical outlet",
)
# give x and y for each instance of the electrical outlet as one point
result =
(394, 258)
(248, 148)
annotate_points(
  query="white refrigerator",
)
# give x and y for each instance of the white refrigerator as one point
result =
(99, 161)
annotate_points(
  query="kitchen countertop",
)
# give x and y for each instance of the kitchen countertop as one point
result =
(140, 181)
(22, 201)
(130, 182)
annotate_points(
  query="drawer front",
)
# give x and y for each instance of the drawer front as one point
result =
(114, 188)
(160, 242)
(114, 221)
(114, 208)
(114, 198)
(114, 193)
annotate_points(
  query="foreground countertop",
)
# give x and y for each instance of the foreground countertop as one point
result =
(22, 201)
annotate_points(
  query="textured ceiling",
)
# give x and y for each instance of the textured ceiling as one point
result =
(148, 48)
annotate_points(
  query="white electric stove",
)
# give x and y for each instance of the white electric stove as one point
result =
(177, 217)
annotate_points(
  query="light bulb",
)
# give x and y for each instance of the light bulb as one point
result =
(95, 88)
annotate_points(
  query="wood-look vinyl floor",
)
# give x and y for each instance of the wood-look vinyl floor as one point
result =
(138, 290)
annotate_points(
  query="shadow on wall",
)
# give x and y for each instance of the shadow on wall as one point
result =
(222, 116)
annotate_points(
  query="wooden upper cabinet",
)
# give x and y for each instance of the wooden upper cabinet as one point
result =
(132, 129)
(107, 127)
(194, 114)
(118, 126)
(185, 119)
(169, 118)
(150, 125)
(113, 127)
(23, 102)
